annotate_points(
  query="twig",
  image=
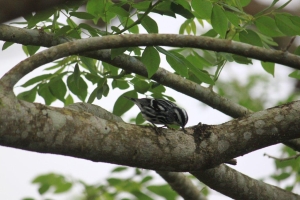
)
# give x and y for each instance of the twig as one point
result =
(289, 44)
(283, 159)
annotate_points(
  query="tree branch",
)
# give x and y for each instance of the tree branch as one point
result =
(240, 186)
(173, 40)
(79, 134)
(178, 181)
(182, 185)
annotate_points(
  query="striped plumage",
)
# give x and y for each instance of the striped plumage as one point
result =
(161, 111)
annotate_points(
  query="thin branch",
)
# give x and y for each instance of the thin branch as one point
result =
(239, 186)
(289, 44)
(283, 159)
(182, 185)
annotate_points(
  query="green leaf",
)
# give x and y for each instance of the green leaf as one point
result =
(24, 48)
(295, 74)
(44, 188)
(139, 119)
(79, 89)
(89, 64)
(28, 95)
(110, 68)
(92, 78)
(157, 88)
(134, 29)
(121, 84)
(266, 25)
(268, 67)
(45, 92)
(184, 64)
(242, 59)
(210, 33)
(297, 51)
(180, 10)
(91, 30)
(141, 86)
(114, 181)
(164, 8)
(36, 79)
(96, 8)
(202, 75)
(118, 10)
(82, 15)
(198, 60)
(233, 18)
(69, 100)
(286, 26)
(117, 51)
(6, 45)
(93, 95)
(143, 5)
(176, 61)
(203, 8)
(150, 58)
(281, 176)
(149, 24)
(63, 31)
(32, 49)
(119, 169)
(140, 195)
(219, 20)
(76, 75)
(250, 37)
(58, 88)
(62, 187)
(40, 16)
(146, 179)
(184, 26)
(122, 104)
(164, 191)
(244, 2)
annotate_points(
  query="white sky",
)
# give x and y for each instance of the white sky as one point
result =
(18, 167)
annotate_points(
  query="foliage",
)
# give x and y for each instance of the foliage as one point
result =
(138, 184)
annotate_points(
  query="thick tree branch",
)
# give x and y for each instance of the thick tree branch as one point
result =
(79, 134)
(178, 181)
(236, 187)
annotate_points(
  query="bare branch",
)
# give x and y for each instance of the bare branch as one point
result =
(239, 186)
(79, 134)
(178, 181)
(283, 159)
(182, 185)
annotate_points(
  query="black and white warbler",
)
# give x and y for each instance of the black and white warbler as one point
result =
(161, 111)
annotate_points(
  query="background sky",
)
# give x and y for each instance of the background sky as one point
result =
(18, 167)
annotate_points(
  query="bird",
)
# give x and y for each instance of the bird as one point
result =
(161, 111)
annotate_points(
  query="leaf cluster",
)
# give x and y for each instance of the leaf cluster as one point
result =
(137, 184)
